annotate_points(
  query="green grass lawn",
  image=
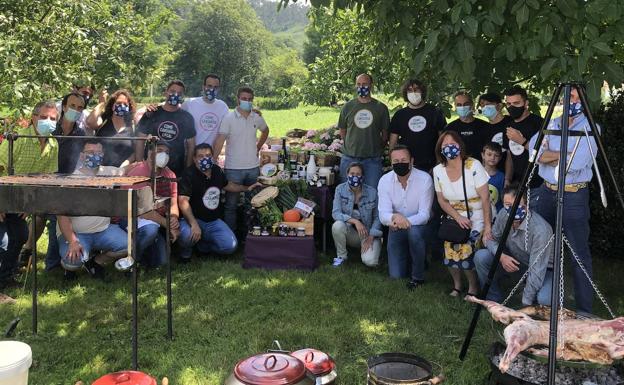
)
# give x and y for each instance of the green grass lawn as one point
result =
(223, 313)
(306, 117)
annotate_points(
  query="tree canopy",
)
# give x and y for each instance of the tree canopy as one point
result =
(470, 44)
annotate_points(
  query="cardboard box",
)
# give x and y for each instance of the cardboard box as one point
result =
(268, 156)
(307, 223)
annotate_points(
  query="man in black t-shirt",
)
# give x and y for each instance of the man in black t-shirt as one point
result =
(417, 125)
(470, 129)
(517, 136)
(491, 106)
(172, 124)
(199, 201)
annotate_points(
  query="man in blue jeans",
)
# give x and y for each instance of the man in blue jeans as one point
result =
(363, 125)
(576, 193)
(239, 128)
(199, 201)
(535, 255)
(405, 199)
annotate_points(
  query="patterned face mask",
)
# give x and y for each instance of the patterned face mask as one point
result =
(93, 160)
(121, 109)
(521, 212)
(451, 151)
(175, 99)
(363, 91)
(205, 163)
(354, 180)
(575, 109)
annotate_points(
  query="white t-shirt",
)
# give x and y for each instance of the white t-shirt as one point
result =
(207, 116)
(240, 133)
(476, 176)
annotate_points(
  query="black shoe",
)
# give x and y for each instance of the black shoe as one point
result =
(69, 275)
(183, 260)
(94, 270)
(413, 284)
(9, 283)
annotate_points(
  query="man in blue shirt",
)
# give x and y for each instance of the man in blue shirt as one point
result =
(576, 196)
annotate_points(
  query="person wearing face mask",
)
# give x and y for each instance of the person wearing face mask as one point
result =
(199, 200)
(470, 129)
(240, 128)
(169, 122)
(405, 199)
(363, 125)
(417, 125)
(208, 110)
(454, 171)
(117, 121)
(356, 218)
(576, 209)
(78, 236)
(491, 107)
(516, 140)
(524, 247)
(33, 156)
(86, 91)
(151, 236)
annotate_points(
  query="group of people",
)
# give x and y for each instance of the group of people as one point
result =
(462, 176)
(465, 171)
(190, 136)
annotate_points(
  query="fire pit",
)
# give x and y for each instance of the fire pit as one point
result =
(527, 371)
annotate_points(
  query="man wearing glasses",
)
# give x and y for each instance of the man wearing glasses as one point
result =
(207, 110)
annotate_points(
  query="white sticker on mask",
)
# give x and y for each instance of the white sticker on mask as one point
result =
(363, 118)
(211, 198)
(516, 148)
(417, 123)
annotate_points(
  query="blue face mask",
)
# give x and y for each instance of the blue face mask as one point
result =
(363, 91)
(354, 180)
(451, 151)
(575, 109)
(71, 115)
(175, 99)
(521, 213)
(463, 111)
(121, 109)
(205, 163)
(246, 105)
(210, 94)
(46, 126)
(93, 160)
(489, 111)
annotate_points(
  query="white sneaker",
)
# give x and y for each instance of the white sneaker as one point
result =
(337, 261)
(124, 264)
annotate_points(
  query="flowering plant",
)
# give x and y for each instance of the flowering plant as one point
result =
(327, 139)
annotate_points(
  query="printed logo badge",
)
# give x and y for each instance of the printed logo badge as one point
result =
(417, 123)
(209, 122)
(516, 148)
(168, 131)
(363, 118)
(211, 198)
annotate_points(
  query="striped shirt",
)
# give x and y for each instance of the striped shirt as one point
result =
(28, 157)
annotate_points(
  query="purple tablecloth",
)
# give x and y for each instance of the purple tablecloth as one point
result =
(280, 253)
(324, 197)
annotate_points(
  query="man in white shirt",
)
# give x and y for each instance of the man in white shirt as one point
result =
(239, 128)
(207, 110)
(405, 199)
(79, 235)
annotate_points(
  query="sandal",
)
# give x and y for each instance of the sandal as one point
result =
(455, 293)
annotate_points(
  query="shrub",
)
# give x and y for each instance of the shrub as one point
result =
(606, 224)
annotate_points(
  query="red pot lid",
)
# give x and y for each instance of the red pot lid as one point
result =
(270, 369)
(126, 378)
(317, 362)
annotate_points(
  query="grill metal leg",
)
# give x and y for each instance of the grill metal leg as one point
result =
(169, 303)
(33, 246)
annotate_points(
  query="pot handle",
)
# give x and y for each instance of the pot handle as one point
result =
(266, 361)
(309, 357)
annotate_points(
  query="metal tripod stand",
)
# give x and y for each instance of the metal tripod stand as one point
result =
(558, 231)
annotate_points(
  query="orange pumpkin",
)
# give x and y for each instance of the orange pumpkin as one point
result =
(292, 215)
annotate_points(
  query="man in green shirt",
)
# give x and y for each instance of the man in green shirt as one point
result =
(363, 125)
(33, 155)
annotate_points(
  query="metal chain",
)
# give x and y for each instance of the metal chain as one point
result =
(560, 341)
(526, 273)
(596, 290)
(528, 218)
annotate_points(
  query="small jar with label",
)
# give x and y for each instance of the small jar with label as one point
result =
(292, 232)
(256, 231)
(301, 232)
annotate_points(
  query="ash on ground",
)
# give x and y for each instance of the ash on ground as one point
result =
(535, 372)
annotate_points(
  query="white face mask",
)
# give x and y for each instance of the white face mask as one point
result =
(414, 98)
(162, 158)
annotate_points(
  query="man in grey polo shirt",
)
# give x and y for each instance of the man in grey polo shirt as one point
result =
(522, 251)
(239, 128)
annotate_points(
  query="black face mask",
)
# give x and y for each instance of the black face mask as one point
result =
(401, 169)
(515, 112)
